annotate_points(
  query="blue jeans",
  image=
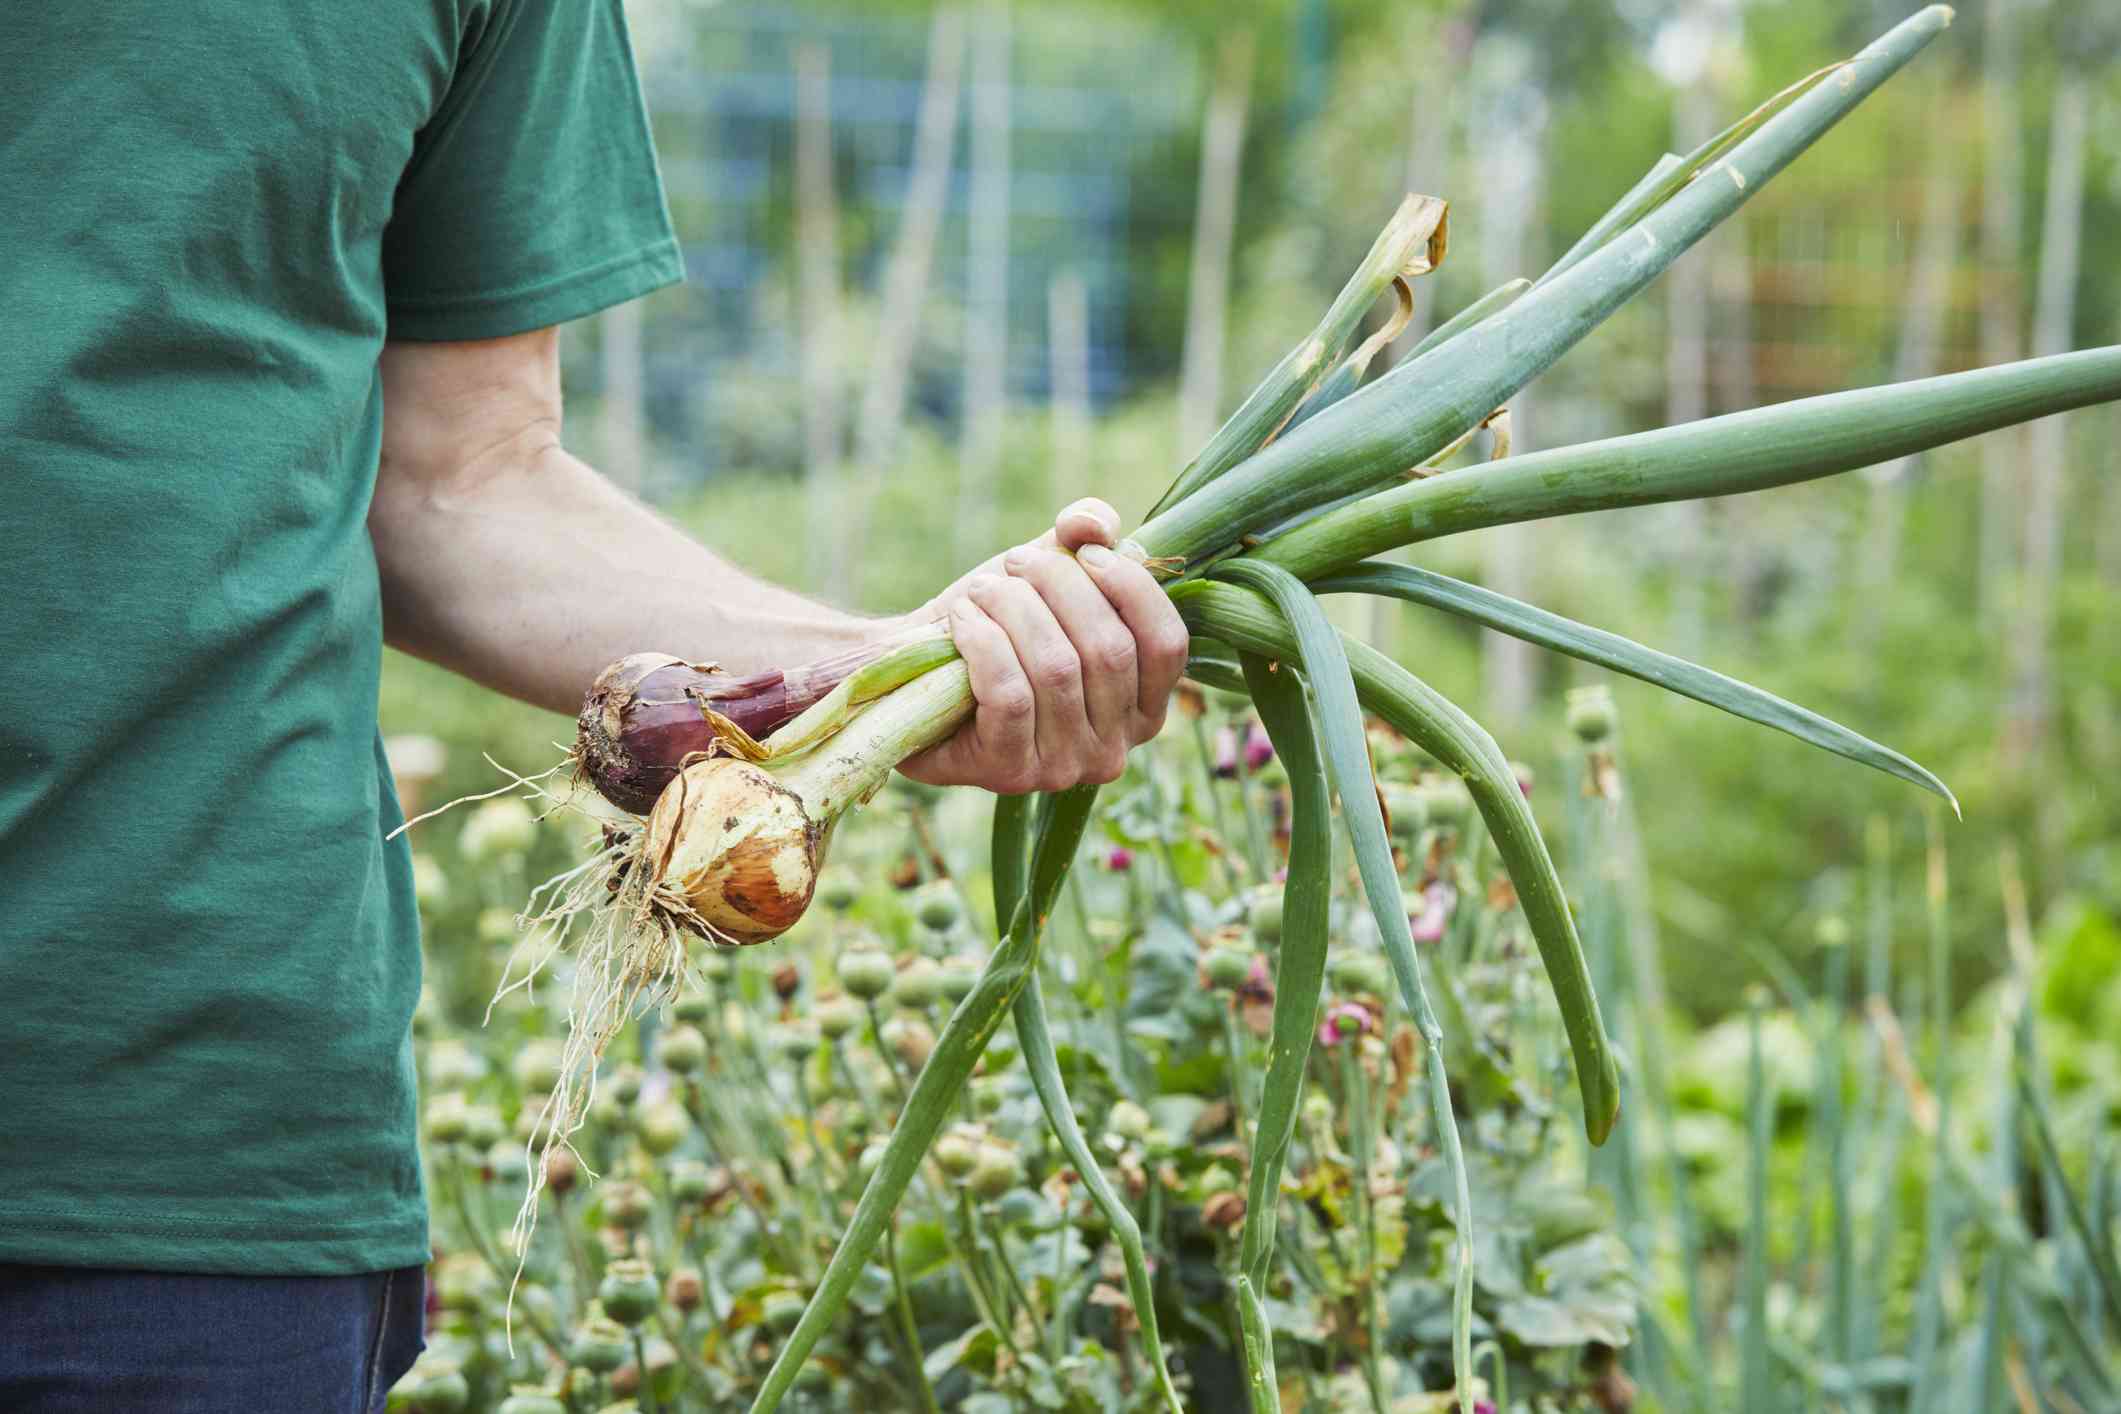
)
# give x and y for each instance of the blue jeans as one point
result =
(83, 1341)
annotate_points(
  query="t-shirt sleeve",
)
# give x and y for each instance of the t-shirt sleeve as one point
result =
(532, 196)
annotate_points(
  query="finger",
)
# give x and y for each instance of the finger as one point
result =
(997, 748)
(1103, 645)
(1160, 639)
(1086, 522)
(1061, 728)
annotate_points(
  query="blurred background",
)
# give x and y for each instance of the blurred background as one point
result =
(951, 267)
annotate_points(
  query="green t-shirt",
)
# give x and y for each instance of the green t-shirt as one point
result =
(215, 213)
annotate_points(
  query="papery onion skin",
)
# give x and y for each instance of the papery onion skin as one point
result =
(734, 850)
(645, 716)
(642, 717)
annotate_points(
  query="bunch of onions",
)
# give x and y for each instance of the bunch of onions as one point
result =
(724, 792)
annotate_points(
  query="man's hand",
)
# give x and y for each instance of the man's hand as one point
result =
(1073, 650)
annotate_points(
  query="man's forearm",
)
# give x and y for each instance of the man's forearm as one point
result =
(529, 572)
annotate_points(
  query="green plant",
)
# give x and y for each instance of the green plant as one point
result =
(1251, 532)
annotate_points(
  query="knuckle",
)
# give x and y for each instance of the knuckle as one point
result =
(1017, 779)
(1057, 670)
(1112, 651)
(1011, 699)
(1109, 767)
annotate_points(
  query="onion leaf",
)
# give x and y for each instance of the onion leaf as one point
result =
(1623, 655)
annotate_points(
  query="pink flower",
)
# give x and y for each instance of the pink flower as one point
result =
(1345, 1019)
(1119, 859)
(1437, 902)
(1259, 750)
(1226, 754)
(1259, 983)
(1483, 1406)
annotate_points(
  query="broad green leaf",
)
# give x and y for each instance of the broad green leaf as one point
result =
(1402, 419)
(1622, 655)
(1718, 456)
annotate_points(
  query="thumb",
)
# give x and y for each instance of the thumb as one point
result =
(1086, 522)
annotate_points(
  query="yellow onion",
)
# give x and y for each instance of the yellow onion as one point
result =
(734, 847)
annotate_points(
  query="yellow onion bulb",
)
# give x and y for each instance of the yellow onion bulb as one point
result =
(734, 847)
(734, 850)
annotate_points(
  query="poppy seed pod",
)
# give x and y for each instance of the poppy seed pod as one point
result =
(434, 1387)
(956, 1154)
(452, 1065)
(692, 1008)
(1223, 1211)
(682, 1049)
(796, 1040)
(628, 1292)
(482, 1125)
(625, 1084)
(911, 1039)
(461, 1282)
(1591, 714)
(532, 1120)
(918, 985)
(599, 1346)
(505, 1162)
(497, 829)
(1225, 968)
(689, 1180)
(866, 972)
(996, 1172)
(781, 1310)
(937, 906)
(1263, 915)
(685, 1289)
(627, 1205)
(663, 1127)
(446, 1119)
(562, 1170)
(1360, 972)
(529, 1399)
(836, 1016)
(838, 890)
(1129, 1121)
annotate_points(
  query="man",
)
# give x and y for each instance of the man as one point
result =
(280, 382)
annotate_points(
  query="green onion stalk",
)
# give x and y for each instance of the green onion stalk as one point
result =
(1317, 472)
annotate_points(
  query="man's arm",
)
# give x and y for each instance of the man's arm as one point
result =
(508, 560)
